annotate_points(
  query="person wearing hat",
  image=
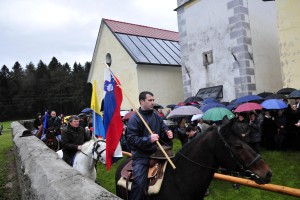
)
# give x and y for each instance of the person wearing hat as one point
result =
(73, 136)
(142, 144)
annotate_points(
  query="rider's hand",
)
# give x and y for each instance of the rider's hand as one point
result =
(79, 147)
(154, 137)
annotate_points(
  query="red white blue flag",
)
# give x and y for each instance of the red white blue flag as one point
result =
(113, 125)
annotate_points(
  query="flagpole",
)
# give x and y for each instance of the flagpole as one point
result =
(141, 117)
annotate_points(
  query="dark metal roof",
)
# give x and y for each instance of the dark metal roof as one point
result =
(147, 45)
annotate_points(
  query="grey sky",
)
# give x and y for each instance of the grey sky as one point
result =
(33, 30)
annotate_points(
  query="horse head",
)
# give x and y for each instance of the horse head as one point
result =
(243, 157)
(97, 147)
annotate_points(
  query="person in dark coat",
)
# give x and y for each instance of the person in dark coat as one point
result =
(254, 135)
(73, 137)
(142, 144)
(54, 121)
(180, 131)
(268, 130)
(37, 121)
(280, 121)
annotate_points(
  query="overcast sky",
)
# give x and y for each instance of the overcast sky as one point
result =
(33, 30)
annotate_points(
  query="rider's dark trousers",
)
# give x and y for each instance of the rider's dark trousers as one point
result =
(139, 185)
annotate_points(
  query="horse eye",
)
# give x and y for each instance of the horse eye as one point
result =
(238, 146)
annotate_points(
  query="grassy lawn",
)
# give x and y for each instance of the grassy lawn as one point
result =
(285, 167)
(5, 147)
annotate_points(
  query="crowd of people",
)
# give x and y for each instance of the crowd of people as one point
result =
(71, 131)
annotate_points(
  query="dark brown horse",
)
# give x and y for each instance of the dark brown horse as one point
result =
(198, 160)
(51, 140)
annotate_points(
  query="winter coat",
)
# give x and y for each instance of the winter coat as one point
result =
(138, 136)
(71, 138)
(254, 135)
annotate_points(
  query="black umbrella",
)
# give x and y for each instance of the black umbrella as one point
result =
(193, 99)
(276, 96)
(294, 95)
(264, 94)
(157, 106)
(286, 91)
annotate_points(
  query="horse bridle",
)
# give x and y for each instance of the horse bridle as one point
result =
(243, 167)
(95, 147)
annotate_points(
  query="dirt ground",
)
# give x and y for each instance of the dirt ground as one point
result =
(12, 190)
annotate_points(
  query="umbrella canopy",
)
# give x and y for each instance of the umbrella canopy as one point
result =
(123, 112)
(294, 95)
(245, 107)
(274, 104)
(210, 100)
(217, 114)
(193, 99)
(286, 91)
(157, 106)
(208, 106)
(264, 94)
(87, 111)
(248, 98)
(171, 106)
(276, 96)
(184, 111)
(196, 117)
(128, 116)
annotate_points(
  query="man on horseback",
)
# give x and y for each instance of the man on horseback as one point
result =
(73, 136)
(53, 122)
(142, 144)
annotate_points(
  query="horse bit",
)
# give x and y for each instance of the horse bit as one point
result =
(96, 145)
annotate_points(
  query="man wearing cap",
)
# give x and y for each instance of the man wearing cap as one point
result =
(142, 144)
(73, 136)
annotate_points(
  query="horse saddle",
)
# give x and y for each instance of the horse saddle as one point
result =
(155, 175)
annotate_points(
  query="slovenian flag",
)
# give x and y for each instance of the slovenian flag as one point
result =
(113, 125)
(98, 128)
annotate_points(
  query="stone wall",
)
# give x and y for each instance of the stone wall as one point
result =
(43, 175)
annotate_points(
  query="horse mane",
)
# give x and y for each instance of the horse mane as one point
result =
(87, 144)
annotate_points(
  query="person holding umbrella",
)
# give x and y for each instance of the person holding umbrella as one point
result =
(254, 135)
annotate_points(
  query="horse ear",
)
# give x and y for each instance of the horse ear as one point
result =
(225, 120)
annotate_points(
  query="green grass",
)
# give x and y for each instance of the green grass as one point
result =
(285, 167)
(5, 146)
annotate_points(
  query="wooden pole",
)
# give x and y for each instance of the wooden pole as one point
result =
(269, 187)
(141, 117)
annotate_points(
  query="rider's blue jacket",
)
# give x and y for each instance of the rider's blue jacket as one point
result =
(138, 137)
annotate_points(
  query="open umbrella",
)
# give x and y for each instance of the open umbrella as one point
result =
(245, 107)
(208, 106)
(210, 100)
(217, 114)
(248, 98)
(294, 95)
(87, 111)
(276, 96)
(157, 106)
(193, 99)
(286, 91)
(274, 104)
(196, 117)
(184, 111)
(264, 94)
(128, 116)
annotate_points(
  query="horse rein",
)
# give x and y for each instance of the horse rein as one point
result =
(95, 147)
(243, 167)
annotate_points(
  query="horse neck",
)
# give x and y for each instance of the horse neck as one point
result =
(195, 165)
(87, 148)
